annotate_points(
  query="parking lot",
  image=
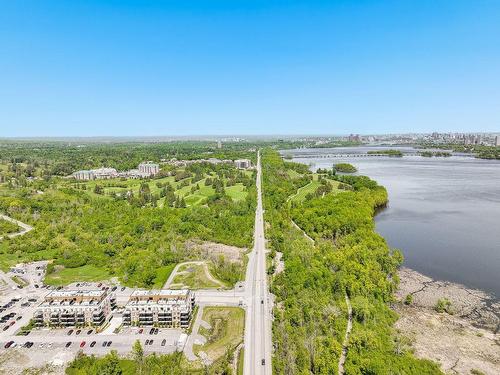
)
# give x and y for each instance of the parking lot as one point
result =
(59, 346)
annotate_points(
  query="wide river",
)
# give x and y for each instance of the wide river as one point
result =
(443, 213)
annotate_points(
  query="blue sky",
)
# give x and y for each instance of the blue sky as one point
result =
(91, 68)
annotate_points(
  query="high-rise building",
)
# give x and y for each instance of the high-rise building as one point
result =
(497, 141)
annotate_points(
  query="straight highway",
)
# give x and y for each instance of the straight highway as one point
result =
(258, 349)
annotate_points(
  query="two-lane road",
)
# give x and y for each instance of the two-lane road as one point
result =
(258, 317)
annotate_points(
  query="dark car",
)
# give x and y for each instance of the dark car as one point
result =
(104, 344)
(92, 344)
(263, 361)
(109, 343)
(6, 328)
(156, 331)
(78, 332)
(68, 344)
(151, 342)
(70, 332)
(164, 341)
(90, 331)
(151, 331)
(147, 342)
(7, 346)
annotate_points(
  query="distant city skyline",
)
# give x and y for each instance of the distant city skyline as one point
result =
(145, 68)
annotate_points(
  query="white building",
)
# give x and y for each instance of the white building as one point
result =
(75, 307)
(96, 174)
(166, 308)
(497, 140)
(149, 169)
(243, 163)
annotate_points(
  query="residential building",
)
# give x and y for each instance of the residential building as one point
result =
(83, 175)
(165, 308)
(149, 169)
(96, 174)
(243, 163)
(75, 307)
(497, 140)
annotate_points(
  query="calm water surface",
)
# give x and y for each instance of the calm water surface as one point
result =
(443, 213)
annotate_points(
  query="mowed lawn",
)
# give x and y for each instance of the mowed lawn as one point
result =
(303, 191)
(66, 276)
(226, 330)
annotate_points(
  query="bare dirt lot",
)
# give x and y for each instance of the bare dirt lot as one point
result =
(465, 340)
(212, 250)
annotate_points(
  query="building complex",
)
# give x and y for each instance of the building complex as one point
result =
(164, 308)
(75, 307)
(144, 170)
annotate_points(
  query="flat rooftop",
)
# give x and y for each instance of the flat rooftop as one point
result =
(159, 293)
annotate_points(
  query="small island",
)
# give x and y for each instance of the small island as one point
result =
(344, 168)
(430, 154)
(394, 153)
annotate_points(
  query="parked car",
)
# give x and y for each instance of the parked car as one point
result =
(104, 344)
(109, 343)
(146, 343)
(82, 344)
(68, 344)
(9, 344)
(141, 330)
(92, 344)
(151, 331)
(90, 331)
(78, 332)
(70, 332)
(163, 342)
(156, 331)
(151, 342)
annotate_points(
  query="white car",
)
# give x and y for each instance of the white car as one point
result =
(14, 344)
(41, 345)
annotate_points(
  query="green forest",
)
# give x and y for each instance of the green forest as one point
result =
(347, 259)
(135, 230)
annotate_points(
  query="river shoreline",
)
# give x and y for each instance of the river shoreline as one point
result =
(466, 340)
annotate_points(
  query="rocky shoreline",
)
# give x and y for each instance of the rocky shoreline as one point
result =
(464, 340)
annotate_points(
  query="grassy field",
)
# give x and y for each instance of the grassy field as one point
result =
(241, 358)
(293, 174)
(7, 227)
(237, 192)
(193, 276)
(19, 281)
(227, 324)
(310, 188)
(162, 275)
(66, 276)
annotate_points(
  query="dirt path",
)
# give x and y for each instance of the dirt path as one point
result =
(346, 337)
(25, 228)
(303, 232)
(175, 272)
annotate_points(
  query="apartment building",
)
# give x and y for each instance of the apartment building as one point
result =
(164, 308)
(243, 163)
(96, 174)
(149, 169)
(74, 308)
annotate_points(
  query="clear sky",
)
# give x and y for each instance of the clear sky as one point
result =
(91, 68)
